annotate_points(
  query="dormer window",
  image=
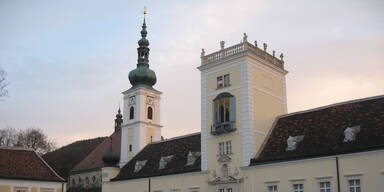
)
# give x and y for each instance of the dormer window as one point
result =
(164, 160)
(350, 133)
(139, 165)
(192, 157)
(293, 141)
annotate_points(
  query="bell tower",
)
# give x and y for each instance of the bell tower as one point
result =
(141, 113)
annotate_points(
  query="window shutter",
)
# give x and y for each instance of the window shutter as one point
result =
(232, 109)
(213, 113)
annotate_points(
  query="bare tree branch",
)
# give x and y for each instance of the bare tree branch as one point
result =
(3, 85)
(32, 138)
(8, 137)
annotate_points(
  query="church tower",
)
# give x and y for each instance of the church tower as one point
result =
(242, 92)
(141, 114)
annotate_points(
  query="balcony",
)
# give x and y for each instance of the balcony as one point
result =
(222, 128)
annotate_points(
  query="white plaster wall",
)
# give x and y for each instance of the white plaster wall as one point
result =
(29, 184)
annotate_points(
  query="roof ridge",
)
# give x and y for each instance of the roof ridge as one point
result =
(175, 138)
(47, 165)
(331, 105)
(106, 140)
(17, 148)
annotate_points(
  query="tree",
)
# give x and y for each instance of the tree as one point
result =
(32, 138)
(8, 137)
(3, 85)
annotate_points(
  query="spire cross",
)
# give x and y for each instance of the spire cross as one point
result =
(145, 11)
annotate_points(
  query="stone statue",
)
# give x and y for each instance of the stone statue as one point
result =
(222, 44)
(236, 172)
(214, 175)
(202, 52)
(245, 38)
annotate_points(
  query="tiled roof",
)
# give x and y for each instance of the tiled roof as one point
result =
(26, 164)
(179, 147)
(75, 151)
(94, 159)
(323, 129)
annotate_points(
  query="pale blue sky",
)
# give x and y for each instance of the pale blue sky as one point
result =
(68, 61)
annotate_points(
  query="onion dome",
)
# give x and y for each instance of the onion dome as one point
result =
(142, 75)
(110, 158)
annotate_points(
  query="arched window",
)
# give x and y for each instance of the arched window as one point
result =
(132, 113)
(86, 182)
(223, 113)
(73, 182)
(130, 148)
(149, 115)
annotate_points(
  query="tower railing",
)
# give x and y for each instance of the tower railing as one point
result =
(241, 48)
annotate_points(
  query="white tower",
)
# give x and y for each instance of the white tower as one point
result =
(141, 114)
(242, 92)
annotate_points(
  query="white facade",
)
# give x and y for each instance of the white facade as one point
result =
(138, 130)
(12, 185)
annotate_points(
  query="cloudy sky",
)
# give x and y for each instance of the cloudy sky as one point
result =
(67, 61)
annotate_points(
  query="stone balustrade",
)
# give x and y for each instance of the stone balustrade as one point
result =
(243, 47)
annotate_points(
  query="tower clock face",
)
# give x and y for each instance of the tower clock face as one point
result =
(132, 100)
(150, 100)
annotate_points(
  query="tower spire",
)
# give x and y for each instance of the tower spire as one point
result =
(142, 75)
(118, 120)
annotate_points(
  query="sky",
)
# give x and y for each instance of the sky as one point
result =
(67, 62)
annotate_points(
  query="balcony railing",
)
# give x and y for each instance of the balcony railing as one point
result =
(243, 47)
(222, 128)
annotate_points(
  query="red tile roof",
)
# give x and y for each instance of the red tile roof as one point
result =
(94, 160)
(18, 163)
(75, 151)
(323, 129)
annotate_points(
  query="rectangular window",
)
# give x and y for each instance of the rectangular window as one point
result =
(272, 188)
(220, 82)
(228, 145)
(225, 147)
(47, 190)
(226, 80)
(221, 148)
(223, 81)
(221, 190)
(229, 189)
(194, 189)
(325, 186)
(20, 189)
(298, 187)
(354, 185)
